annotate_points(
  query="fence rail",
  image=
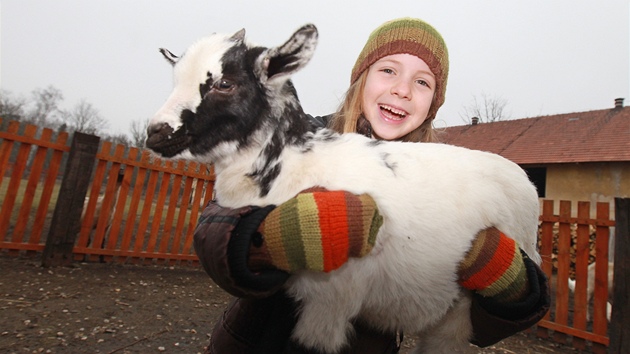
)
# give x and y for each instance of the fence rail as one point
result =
(142, 209)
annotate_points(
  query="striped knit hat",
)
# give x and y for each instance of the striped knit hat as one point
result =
(408, 36)
(328, 237)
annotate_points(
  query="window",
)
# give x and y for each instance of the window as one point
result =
(538, 176)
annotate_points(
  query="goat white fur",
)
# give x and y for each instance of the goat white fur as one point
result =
(434, 198)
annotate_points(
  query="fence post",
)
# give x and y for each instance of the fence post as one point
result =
(620, 331)
(66, 218)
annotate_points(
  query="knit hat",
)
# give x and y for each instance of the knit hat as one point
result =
(408, 36)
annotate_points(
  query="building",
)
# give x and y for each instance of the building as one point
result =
(581, 156)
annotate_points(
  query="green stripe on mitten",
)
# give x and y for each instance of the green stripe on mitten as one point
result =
(321, 230)
(494, 267)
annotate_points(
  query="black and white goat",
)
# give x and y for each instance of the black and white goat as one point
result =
(233, 105)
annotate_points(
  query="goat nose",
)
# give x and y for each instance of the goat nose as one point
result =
(156, 128)
(156, 133)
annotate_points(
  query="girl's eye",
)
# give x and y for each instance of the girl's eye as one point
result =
(387, 71)
(423, 83)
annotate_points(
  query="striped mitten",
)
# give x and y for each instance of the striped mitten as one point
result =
(320, 230)
(494, 267)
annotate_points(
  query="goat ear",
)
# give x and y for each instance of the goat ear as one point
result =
(279, 63)
(238, 36)
(170, 57)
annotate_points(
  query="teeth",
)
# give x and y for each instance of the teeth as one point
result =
(400, 113)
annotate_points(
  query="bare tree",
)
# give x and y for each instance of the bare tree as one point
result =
(46, 106)
(118, 138)
(11, 108)
(85, 118)
(138, 131)
(487, 109)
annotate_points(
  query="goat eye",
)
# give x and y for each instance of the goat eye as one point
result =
(223, 85)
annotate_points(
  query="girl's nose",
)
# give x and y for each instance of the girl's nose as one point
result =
(401, 89)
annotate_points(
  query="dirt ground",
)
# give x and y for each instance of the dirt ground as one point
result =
(114, 308)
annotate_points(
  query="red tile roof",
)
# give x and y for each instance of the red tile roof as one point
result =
(593, 136)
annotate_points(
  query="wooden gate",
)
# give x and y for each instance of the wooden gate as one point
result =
(568, 245)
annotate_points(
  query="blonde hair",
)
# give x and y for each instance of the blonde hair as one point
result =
(349, 117)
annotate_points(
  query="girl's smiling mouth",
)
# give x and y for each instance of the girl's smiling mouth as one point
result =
(392, 113)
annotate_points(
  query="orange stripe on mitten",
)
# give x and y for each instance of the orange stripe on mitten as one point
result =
(494, 267)
(321, 230)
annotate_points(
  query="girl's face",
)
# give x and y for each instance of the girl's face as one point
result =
(397, 95)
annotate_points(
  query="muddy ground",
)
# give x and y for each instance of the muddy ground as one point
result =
(114, 308)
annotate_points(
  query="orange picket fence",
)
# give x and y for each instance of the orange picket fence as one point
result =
(138, 207)
(151, 216)
(568, 245)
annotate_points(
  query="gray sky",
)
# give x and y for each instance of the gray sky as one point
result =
(542, 57)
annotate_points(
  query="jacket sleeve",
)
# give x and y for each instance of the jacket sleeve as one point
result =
(221, 242)
(493, 321)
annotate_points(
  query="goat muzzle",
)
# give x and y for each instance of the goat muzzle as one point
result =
(165, 141)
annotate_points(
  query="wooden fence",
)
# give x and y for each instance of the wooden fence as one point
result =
(14, 155)
(142, 209)
(568, 245)
(139, 208)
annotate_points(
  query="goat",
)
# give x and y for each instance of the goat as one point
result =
(233, 104)
(590, 287)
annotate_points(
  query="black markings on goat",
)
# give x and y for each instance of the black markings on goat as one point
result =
(206, 86)
(268, 165)
(391, 165)
(317, 134)
(326, 135)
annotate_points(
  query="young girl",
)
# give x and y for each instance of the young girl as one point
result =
(397, 85)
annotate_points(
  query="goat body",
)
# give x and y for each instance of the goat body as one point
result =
(233, 105)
